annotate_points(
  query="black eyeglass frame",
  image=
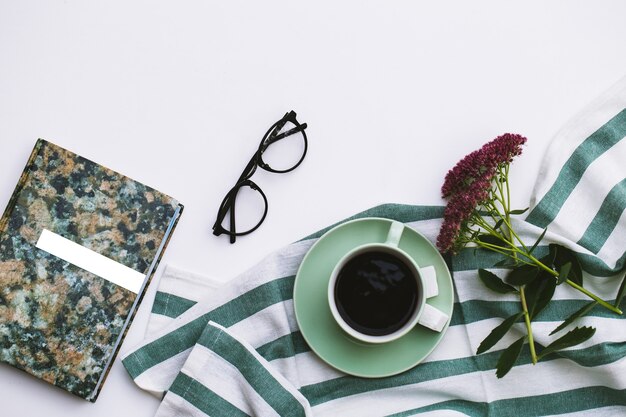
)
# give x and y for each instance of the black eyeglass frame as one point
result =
(270, 137)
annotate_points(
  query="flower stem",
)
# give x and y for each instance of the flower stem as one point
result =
(507, 222)
(506, 219)
(595, 297)
(507, 235)
(531, 340)
(495, 248)
(575, 286)
(522, 293)
(508, 190)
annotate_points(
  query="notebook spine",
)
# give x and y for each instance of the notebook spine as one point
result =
(166, 239)
(20, 184)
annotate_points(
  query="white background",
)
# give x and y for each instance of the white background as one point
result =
(178, 94)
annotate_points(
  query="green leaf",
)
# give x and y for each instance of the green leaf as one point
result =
(551, 256)
(571, 338)
(522, 275)
(563, 273)
(518, 212)
(493, 282)
(505, 263)
(539, 293)
(620, 293)
(498, 224)
(497, 333)
(565, 255)
(579, 313)
(508, 357)
(492, 240)
(539, 239)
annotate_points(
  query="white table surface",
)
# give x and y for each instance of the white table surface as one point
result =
(178, 94)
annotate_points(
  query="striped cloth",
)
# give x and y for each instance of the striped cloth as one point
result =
(237, 351)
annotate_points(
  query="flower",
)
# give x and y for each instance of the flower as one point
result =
(458, 214)
(479, 211)
(468, 186)
(483, 163)
(505, 147)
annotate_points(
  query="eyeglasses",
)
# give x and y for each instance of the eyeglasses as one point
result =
(288, 151)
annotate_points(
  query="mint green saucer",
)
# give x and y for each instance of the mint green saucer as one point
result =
(324, 335)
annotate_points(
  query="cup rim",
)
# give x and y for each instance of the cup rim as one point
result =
(387, 337)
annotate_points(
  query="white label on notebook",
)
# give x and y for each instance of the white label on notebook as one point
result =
(91, 261)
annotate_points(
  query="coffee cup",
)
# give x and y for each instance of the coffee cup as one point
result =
(377, 292)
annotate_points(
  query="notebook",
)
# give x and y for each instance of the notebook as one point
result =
(79, 244)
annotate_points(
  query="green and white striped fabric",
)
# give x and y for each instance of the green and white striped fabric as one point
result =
(236, 350)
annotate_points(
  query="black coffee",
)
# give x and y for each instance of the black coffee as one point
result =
(376, 293)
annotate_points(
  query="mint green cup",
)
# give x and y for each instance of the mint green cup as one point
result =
(390, 246)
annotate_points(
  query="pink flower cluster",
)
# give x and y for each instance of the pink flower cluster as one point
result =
(482, 164)
(468, 185)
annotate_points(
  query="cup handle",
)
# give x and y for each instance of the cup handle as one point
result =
(429, 276)
(433, 318)
(395, 233)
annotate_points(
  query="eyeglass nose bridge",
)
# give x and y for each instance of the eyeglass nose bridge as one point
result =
(253, 186)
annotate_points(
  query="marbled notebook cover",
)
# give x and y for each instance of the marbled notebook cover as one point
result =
(58, 322)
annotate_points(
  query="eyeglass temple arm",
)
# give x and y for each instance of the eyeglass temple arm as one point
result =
(283, 135)
(231, 206)
(227, 207)
(233, 230)
(248, 170)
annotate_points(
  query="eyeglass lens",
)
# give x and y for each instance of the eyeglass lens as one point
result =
(284, 147)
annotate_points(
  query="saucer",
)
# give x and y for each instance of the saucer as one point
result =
(321, 331)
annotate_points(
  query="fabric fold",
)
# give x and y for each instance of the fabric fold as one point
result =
(226, 376)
